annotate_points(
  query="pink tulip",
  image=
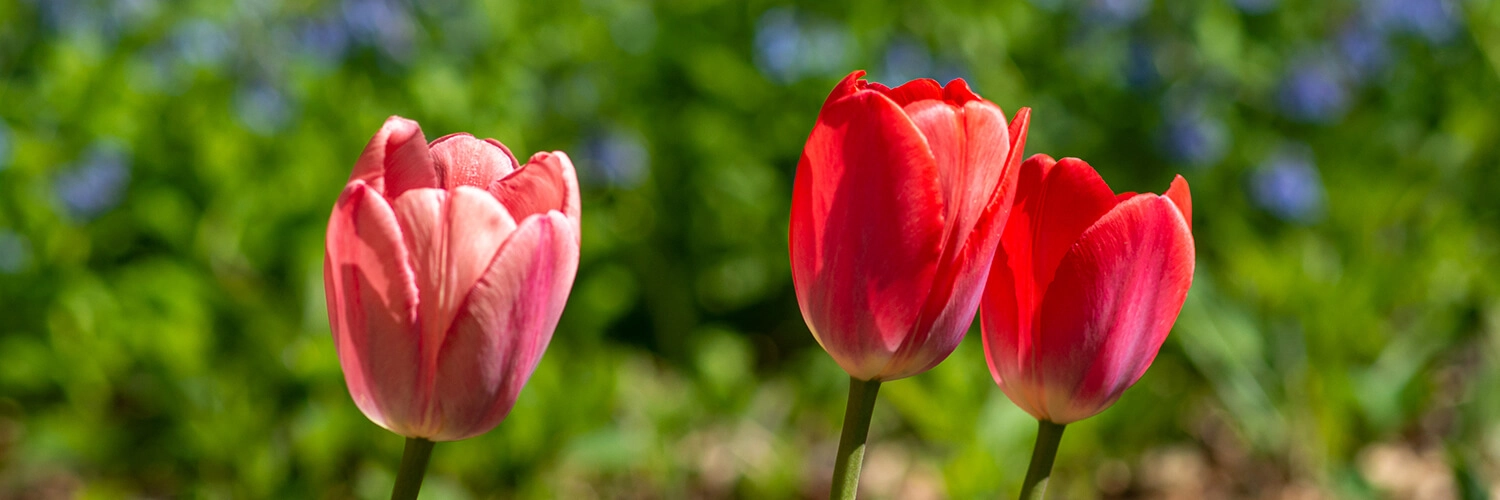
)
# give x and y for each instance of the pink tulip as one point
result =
(897, 208)
(1084, 289)
(447, 268)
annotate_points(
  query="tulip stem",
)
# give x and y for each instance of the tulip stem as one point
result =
(1048, 435)
(852, 442)
(413, 468)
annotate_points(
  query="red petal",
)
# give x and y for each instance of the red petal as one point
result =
(1070, 197)
(547, 182)
(866, 229)
(957, 93)
(1183, 198)
(975, 180)
(1114, 298)
(846, 87)
(462, 160)
(916, 90)
(372, 299)
(504, 327)
(396, 159)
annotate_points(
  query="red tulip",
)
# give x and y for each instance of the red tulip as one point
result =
(1084, 289)
(447, 268)
(897, 208)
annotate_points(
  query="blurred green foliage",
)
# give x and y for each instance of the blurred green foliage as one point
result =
(167, 169)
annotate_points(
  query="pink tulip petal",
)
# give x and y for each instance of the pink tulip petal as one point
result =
(866, 228)
(372, 302)
(547, 182)
(504, 327)
(1114, 298)
(462, 160)
(1183, 198)
(452, 236)
(396, 159)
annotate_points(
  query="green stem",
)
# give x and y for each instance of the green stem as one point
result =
(852, 442)
(413, 468)
(1048, 435)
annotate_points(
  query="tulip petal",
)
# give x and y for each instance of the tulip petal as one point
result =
(452, 236)
(866, 229)
(957, 93)
(1183, 198)
(372, 302)
(921, 89)
(983, 176)
(504, 327)
(462, 160)
(851, 84)
(396, 159)
(1114, 298)
(547, 182)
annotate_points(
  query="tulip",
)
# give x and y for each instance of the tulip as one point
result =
(1084, 288)
(447, 268)
(897, 208)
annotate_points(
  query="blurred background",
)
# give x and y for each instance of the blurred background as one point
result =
(167, 170)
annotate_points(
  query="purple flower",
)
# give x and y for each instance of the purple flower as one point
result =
(1363, 49)
(617, 157)
(1313, 91)
(1118, 12)
(1195, 138)
(1288, 186)
(97, 184)
(1431, 19)
(787, 48)
(384, 24)
(1256, 6)
(262, 108)
(4, 145)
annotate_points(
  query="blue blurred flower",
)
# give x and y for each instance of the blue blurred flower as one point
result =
(15, 252)
(1194, 138)
(1314, 91)
(1288, 186)
(1256, 6)
(1434, 20)
(1140, 66)
(615, 158)
(827, 49)
(4, 145)
(97, 184)
(1117, 12)
(906, 60)
(262, 107)
(1364, 50)
(384, 24)
(778, 40)
(326, 41)
(787, 49)
(201, 43)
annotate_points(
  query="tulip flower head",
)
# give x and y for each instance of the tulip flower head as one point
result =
(1084, 288)
(446, 271)
(898, 205)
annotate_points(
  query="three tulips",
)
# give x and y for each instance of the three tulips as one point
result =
(448, 264)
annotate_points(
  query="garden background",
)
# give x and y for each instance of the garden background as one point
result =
(167, 170)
